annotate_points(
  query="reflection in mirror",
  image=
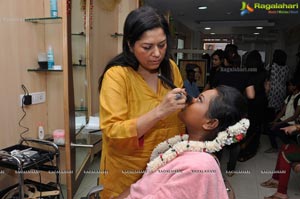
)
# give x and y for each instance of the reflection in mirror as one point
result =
(87, 141)
(79, 76)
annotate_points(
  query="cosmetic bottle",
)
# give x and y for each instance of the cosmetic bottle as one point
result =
(50, 55)
(41, 132)
(53, 8)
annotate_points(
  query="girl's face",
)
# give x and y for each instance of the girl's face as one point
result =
(216, 61)
(195, 114)
(150, 49)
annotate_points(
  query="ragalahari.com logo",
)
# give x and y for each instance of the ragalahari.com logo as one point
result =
(246, 8)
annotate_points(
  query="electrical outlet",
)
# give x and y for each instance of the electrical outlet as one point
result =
(37, 97)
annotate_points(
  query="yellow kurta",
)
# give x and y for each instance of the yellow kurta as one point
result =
(124, 97)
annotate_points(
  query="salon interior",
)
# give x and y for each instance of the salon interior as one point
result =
(54, 112)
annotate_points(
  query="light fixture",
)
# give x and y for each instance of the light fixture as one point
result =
(207, 28)
(259, 27)
(212, 33)
(202, 7)
(256, 33)
(248, 23)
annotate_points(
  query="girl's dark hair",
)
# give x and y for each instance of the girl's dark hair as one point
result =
(137, 22)
(229, 107)
(279, 57)
(253, 60)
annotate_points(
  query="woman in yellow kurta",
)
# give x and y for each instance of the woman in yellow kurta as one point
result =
(137, 110)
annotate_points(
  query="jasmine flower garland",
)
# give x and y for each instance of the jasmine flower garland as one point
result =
(171, 148)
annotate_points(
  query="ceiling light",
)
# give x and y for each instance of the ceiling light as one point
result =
(202, 7)
(248, 23)
(207, 28)
(256, 33)
(259, 27)
(212, 33)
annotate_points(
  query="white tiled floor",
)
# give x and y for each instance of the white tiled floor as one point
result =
(246, 186)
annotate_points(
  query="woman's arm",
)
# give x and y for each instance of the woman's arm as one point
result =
(293, 117)
(118, 122)
(291, 129)
(250, 92)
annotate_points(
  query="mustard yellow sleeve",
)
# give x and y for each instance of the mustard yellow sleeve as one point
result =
(119, 130)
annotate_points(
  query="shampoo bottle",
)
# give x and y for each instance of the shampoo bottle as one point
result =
(53, 8)
(50, 56)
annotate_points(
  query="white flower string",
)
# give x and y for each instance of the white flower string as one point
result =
(171, 148)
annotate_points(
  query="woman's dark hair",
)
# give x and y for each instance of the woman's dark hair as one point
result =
(219, 53)
(229, 107)
(232, 56)
(279, 57)
(137, 22)
(253, 60)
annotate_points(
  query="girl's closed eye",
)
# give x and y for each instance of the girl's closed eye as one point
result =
(200, 98)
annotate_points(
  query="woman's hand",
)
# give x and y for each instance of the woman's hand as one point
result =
(173, 101)
(289, 129)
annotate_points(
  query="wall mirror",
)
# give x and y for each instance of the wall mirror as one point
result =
(85, 141)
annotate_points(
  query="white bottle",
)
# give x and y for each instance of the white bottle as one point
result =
(50, 55)
(41, 132)
(81, 103)
(53, 8)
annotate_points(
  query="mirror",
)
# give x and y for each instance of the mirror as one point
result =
(86, 143)
(78, 32)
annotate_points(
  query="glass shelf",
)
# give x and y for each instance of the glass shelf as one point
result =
(80, 108)
(44, 20)
(42, 70)
(79, 65)
(79, 34)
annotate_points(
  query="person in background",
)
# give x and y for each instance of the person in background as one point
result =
(190, 84)
(288, 154)
(183, 167)
(277, 78)
(287, 116)
(232, 75)
(257, 106)
(217, 62)
(137, 109)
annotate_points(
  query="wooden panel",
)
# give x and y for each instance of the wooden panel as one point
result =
(21, 42)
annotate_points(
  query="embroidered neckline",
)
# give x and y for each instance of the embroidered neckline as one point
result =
(171, 148)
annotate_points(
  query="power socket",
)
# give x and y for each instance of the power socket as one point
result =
(36, 98)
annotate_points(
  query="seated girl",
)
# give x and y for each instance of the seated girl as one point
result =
(183, 166)
(287, 155)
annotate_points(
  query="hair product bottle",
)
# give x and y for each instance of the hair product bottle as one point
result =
(53, 8)
(50, 56)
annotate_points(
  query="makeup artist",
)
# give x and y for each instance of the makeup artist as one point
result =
(138, 110)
